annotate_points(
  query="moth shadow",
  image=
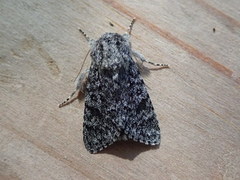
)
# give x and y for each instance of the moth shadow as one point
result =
(127, 149)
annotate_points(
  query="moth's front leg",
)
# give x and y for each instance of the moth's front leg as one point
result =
(143, 59)
(80, 85)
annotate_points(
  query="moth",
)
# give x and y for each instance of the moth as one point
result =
(117, 104)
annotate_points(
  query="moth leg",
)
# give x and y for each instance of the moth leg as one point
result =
(80, 84)
(142, 58)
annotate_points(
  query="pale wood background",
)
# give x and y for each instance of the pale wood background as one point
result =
(197, 100)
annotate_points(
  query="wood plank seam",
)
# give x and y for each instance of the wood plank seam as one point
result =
(219, 13)
(167, 35)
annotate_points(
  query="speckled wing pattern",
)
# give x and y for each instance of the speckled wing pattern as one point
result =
(117, 103)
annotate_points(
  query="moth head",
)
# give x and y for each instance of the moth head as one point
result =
(111, 51)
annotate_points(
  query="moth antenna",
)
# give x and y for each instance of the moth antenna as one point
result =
(131, 26)
(85, 35)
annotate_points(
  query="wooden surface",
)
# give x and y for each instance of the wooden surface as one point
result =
(197, 100)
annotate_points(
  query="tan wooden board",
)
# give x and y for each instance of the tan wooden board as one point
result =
(197, 100)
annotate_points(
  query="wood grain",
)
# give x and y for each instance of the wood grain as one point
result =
(197, 100)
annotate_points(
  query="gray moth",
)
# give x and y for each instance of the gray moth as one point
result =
(117, 104)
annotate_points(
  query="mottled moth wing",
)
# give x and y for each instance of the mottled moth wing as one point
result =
(116, 101)
(99, 128)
